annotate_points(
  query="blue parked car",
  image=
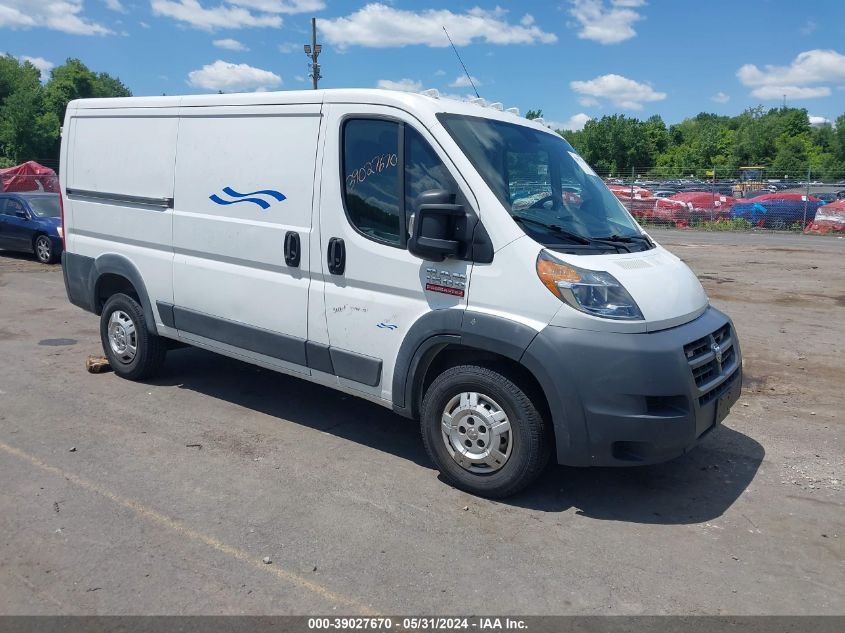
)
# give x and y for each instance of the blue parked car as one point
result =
(31, 222)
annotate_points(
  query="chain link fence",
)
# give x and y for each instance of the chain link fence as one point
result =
(732, 199)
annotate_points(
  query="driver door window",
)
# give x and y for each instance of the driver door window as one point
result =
(372, 179)
(424, 171)
(383, 177)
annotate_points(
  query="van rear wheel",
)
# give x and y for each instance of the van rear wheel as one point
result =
(483, 432)
(133, 352)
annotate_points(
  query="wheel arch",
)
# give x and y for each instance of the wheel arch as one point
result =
(112, 274)
(445, 338)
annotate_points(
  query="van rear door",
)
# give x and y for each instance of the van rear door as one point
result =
(244, 186)
(118, 181)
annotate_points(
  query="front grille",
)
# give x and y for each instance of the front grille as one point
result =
(709, 371)
(718, 390)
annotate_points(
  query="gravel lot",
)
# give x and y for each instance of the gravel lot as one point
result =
(163, 498)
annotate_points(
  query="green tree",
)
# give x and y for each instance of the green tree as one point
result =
(31, 113)
(21, 103)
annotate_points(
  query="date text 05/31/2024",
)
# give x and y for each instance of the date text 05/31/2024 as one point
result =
(417, 624)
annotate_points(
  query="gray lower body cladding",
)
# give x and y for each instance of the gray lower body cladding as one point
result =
(614, 399)
(630, 399)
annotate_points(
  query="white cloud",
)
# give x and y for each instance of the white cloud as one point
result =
(230, 44)
(43, 66)
(819, 121)
(620, 91)
(115, 5)
(809, 27)
(798, 80)
(606, 23)
(790, 92)
(56, 15)
(219, 17)
(720, 97)
(405, 85)
(299, 78)
(377, 25)
(462, 81)
(440, 73)
(281, 6)
(574, 123)
(230, 77)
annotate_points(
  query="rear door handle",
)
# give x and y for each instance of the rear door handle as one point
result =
(336, 256)
(292, 249)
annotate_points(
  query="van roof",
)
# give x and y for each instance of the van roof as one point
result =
(413, 102)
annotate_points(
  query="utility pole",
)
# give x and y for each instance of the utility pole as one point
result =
(807, 196)
(713, 192)
(313, 51)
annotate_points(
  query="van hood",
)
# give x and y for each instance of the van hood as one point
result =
(665, 289)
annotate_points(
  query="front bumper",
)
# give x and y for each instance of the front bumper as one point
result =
(629, 399)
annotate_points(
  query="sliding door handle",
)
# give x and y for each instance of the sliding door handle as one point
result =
(336, 256)
(292, 249)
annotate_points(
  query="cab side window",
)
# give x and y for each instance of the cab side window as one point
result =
(424, 171)
(386, 166)
(372, 178)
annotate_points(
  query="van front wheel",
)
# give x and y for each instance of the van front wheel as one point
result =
(132, 351)
(483, 432)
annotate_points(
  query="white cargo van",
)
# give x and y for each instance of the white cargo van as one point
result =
(452, 261)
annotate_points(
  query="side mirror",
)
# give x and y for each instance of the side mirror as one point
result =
(437, 226)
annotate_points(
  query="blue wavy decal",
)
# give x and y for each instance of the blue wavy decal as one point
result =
(248, 197)
(387, 326)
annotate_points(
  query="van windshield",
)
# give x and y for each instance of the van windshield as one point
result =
(547, 187)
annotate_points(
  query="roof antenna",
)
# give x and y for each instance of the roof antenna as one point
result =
(462, 63)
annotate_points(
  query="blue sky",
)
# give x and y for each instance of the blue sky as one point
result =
(572, 58)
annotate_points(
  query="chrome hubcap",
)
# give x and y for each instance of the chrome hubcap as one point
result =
(43, 248)
(476, 432)
(123, 338)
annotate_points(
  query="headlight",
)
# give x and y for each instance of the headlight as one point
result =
(595, 292)
(61, 232)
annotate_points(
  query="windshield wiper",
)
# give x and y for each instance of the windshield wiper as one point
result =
(625, 239)
(644, 238)
(580, 239)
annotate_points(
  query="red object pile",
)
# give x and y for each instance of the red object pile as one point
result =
(830, 218)
(681, 208)
(29, 176)
(641, 204)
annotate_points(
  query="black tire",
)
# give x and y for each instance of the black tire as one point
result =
(150, 350)
(529, 452)
(44, 250)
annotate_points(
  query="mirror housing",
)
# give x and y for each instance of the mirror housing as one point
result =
(437, 227)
